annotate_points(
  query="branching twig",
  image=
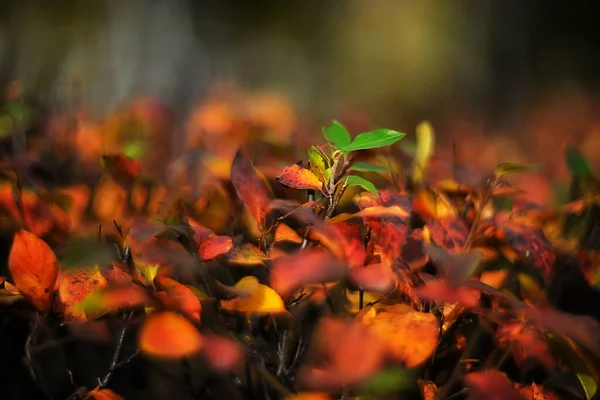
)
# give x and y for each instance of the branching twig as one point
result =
(37, 378)
(115, 360)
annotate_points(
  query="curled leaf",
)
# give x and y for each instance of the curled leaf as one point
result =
(258, 299)
(299, 178)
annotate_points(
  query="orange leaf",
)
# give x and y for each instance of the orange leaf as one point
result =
(246, 254)
(34, 268)
(351, 353)
(222, 354)
(259, 298)
(169, 335)
(251, 188)
(299, 178)
(76, 284)
(309, 396)
(122, 169)
(411, 336)
(307, 267)
(102, 394)
(283, 233)
(439, 291)
(214, 246)
(183, 296)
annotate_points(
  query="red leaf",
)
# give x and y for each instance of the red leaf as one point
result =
(251, 188)
(169, 335)
(214, 246)
(181, 296)
(377, 278)
(34, 268)
(222, 354)
(439, 291)
(307, 267)
(299, 178)
(491, 385)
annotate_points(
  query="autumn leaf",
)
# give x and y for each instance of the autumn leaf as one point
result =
(251, 188)
(351, 353)
(309, 396)
(169, 335)
(258, 299)
(214, 246)
(122, 169)
(222, 354)
(440, 291)
(377, 278)
(491, 385)
(411, 336)
(246, 254)
(308, 267)
(109, 300)
(34, 268)
(456, 267)
(76, 284)
(102, 394)
(283, 233)
(300, 178)
(182, 297)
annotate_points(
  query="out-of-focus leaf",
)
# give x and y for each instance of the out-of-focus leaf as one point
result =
(508, 168)
(388, 381)
(425, 146)
(355, 180)
(377, 278)
(310, 266)
(102, 394)
(246, 254)
(410, 336)
(371, 140)
(577, 164)
(439, 291)
(457, 267)
(169, 335)
(260, 299)
(222, 354)
(106, 301)
(491, 385)
(352, 350)
(251, 188)
(297, 177)
(309, 396)
(586, 370)
(363, 166)
(337, 134)
(283, 233)
(34, 268)
(180, 296)
(122, 169)
(86, 250)
(135, 149)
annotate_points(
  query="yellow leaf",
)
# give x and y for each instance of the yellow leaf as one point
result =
(255, 298)
(425, 145)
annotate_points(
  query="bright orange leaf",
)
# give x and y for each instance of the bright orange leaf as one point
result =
(246, 254)
(169, 335)
(102, 394)
(297, 177)
(283, 233)
(34, 268)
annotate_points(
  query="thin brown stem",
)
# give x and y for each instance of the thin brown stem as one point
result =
(486, 197)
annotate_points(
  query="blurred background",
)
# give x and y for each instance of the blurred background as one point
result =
(507, 80)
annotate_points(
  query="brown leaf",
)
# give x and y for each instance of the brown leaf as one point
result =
(527, 343)
(34, 268)
(439, 291)
(251, 188)
(297, 177)
(533, 246)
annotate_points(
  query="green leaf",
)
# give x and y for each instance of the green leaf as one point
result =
(577, 164)
(337, 134)
(134, 150)
(373, 139)
(317, 164)
(389, 381)
(354, 180)
(362, 166)
(508, 168)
